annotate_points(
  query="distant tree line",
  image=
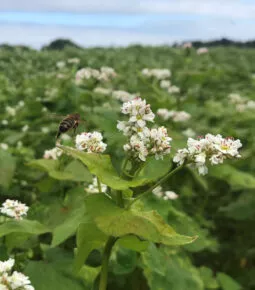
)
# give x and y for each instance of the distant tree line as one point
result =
(60, 44)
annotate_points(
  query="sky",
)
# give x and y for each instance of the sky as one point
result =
(120, 23)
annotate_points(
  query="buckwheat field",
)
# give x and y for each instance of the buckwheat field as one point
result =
(150, 181)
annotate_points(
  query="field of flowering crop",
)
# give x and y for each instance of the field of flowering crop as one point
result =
(154, 189)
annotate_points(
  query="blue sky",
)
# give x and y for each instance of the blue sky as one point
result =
(117, 22)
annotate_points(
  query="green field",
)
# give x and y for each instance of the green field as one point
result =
(59, 244)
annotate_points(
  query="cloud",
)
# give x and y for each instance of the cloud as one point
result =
(227, 8)
(39, 35)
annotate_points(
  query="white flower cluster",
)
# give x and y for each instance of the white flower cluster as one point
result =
(4, 146)
(189, 132)
(104, 74)
(159, 74)
(173, 90)
(102, 91)
(14, 209)
(123, 96)
(214, 149)
(202, 50)
(13, 280)
(12, 111)
(176, 116)
(90, 142)
(53, 153)
(242, 104)
(93, 187)
(142, 140)
(165, 195)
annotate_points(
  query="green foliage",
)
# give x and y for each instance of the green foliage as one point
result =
(67, 229)
(7, 168)
(118, 222)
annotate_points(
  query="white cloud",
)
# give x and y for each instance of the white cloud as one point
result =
(227, 8)
(39, 35)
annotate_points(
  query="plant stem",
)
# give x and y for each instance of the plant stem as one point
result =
(120, 200)
(99, 185)
(162, 180)
(105, 261)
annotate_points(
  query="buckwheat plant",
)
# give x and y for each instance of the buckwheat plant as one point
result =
(114, 199)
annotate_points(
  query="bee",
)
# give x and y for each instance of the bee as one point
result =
(69, 122)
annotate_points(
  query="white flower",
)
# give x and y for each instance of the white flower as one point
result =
(73, 60)
(235, 98)
(123, 96)
(189, 132)
(165, 195)
(93, 188)
(15, 280)
(60, 64)
(25, 128)
(202, 50)
(163, 113)
(4, 122)
(85, 74)
(53, 153)
(170, 195)
(2, 286)
(90, 142)
(107, 73)
(159, 143)
(250, 105)
(103, 91)
(21, 104)
(10, 111)
(181, 156)
(65, 137)
(14, 209)
(19, 144)
(159, 74)
(173, 90)
(179, 116)
(45, 130)
(139, 112)
(211, 148)
(4, 146)
(165, 84)
(6, 266)
(158, 191)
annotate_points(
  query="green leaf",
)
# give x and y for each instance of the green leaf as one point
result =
(44, 164)
(23, 226)
(242, 208)
(117, 222)
(54, 272)
(207, 276)
(7, 168)
(101, 166)
(236, 178)
(88, 238)
(227, 283)
(79, 171)
(154, 169)
(125, 261)
(71, 215)
(133, 243)
(165, 269)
